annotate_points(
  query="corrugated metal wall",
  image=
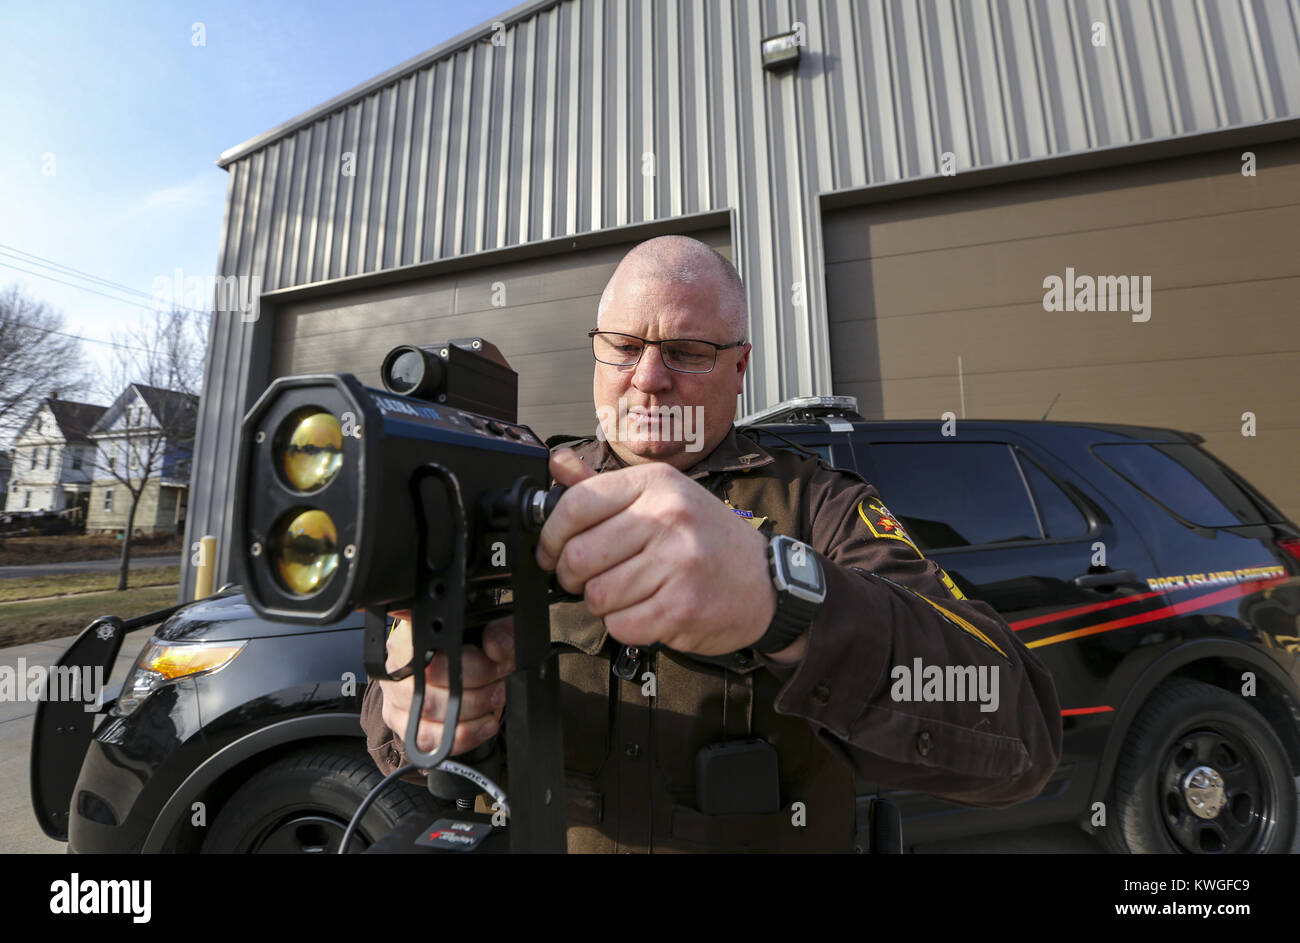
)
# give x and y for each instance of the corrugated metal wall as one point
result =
(593, 114)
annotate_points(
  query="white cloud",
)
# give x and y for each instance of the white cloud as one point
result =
(182, 196)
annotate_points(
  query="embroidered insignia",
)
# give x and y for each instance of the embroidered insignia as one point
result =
(882, 523)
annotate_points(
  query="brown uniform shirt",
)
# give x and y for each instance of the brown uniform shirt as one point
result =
(845, 710)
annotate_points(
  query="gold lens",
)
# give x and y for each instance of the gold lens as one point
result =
(311, 448)
(305, 548)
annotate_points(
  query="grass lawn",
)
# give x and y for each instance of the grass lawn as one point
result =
(65, 585)
(20, 551)
(55, 618)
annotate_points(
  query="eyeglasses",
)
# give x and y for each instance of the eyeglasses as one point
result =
(685, 355)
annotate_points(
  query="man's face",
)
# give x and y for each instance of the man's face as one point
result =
(659, 310)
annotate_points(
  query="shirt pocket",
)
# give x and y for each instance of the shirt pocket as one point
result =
(687, 715)
(584, 702)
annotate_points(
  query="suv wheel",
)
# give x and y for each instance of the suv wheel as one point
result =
(302, 804)
(1200, 773)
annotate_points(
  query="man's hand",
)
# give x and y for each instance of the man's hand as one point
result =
(483, 687)
(658, 557)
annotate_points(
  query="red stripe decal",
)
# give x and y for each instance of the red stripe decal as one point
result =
(1176, 609)
(1086, 710)
(1080, 610)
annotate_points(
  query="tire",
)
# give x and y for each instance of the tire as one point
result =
(301, 804)
(1245, 779)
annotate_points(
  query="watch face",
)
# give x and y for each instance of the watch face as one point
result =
(801, 567)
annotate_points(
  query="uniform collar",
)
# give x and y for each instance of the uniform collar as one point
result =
(736, 452)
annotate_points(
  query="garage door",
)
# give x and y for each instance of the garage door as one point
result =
(915, 284)
(545, 308)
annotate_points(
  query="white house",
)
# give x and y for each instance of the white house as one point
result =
(53, 457)
(144, 426)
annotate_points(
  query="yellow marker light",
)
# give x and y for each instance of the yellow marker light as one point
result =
(310, 446)
(182, 660)
(160, 663)
(305, 549)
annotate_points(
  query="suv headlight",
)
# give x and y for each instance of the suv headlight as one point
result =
(161, 663)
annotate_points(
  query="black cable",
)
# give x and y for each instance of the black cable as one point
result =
(366, 803)
(467, 772)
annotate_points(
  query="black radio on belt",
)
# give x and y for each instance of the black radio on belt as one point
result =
(737, 777)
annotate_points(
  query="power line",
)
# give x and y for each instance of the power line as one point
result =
(80, 337)
(125, 301)
(34, 259)
(96, 340)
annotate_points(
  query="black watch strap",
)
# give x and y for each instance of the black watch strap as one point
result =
(792, 618)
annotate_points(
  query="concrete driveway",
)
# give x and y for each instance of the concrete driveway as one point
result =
(20, 831)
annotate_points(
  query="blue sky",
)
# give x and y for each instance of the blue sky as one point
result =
(134, 115)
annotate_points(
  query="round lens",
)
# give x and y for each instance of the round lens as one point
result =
(304, 546)
(311, 448)
(406, 371)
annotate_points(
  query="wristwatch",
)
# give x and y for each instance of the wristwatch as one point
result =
(800, 591)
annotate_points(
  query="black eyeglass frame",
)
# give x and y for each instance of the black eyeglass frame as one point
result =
(591, 335)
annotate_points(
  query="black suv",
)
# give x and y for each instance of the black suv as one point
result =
(1159, 587)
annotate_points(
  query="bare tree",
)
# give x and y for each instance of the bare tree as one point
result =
(35, 360)
(154, 387)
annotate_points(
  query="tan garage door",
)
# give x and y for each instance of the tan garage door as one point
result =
(915, 284)
(541, 328)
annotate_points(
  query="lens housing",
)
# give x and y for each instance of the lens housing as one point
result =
(414, 371)
(304, 548)
(308, 449)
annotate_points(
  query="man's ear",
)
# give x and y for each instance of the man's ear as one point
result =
(742, 363)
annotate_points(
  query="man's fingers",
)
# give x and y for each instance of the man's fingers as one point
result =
(567, 468)
(468, 735)
(399, 646)
(587, 503)
(499, 644)
(475, 703)
(476, 668)
(597, 549)
(631, 582)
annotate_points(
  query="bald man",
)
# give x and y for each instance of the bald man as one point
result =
(727, 675)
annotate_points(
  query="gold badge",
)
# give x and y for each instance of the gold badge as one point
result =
(747, 515)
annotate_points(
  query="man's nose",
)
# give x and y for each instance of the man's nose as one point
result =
(651, 375)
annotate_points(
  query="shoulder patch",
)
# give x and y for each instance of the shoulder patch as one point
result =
(882, 523)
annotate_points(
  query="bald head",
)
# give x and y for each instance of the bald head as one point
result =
(684, 261)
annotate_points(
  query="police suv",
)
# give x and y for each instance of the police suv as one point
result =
(1159, 587)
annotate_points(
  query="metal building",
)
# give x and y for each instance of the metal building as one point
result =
(894, 202)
